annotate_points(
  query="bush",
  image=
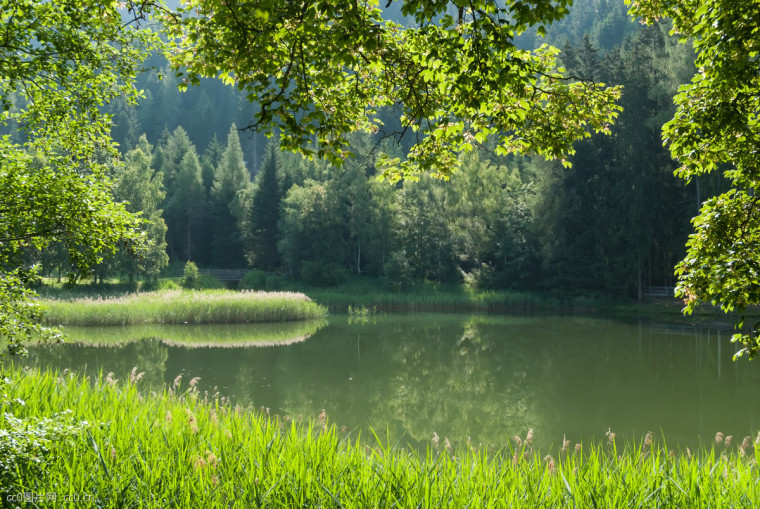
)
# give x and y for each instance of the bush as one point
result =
(27, 445)
(154, 285)
(397, 273)
(190, 277)
(253, 280)
(481, 277)
(208, 282)
(322, 273)
(274, 282)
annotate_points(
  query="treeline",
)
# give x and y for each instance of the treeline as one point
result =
(613, 223)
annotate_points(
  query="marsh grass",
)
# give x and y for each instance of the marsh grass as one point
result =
(183, 449)
(366, 293)
(184, 307)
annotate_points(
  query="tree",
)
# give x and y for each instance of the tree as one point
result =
(187, 209)
(716, 128)
(321, 70)
(210, 159)
(140, 187)
(488, 221)
(231, 178)
(183, 198)
(311, 232)
(424, 237)
(264, 213)
(63, 61)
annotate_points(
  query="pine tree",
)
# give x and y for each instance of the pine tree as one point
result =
(231, 179)
(261, 227)
(187, 209)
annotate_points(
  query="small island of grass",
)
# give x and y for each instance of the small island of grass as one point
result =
(180, 307)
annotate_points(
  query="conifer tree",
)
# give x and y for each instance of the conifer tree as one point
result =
(210, 159)
(187, 209)
(261, 227)
(231, 179)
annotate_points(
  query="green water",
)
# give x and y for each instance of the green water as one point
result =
(483, 378)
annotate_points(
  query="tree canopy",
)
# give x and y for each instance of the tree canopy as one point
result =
(715, 128)
(322, 70)
(60, 62)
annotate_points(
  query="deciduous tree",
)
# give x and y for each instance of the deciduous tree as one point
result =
(321, 70)
(716, 128)
(63, 60)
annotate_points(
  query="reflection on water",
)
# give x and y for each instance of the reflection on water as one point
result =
(485, 378)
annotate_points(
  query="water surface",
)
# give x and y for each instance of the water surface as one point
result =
(482, 378)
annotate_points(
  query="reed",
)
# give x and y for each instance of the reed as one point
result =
(181, 448)
(368, 293)
(184, 307)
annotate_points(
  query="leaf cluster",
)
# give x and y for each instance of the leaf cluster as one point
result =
(60, 62)
(321, 70)
(715, 128)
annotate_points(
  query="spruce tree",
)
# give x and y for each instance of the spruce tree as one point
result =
(261, 231)
(187, 209)
(231, 179)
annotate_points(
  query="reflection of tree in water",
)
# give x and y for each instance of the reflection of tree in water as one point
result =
(484, 377)
(459, 384)
(412, 376)
(148, 355)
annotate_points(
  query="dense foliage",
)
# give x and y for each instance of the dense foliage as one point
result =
(60, 62)
(613, 224)
(322, 70)
(715, 128)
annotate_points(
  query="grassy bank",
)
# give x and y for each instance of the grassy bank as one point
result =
(424, 296)
(365, 292)
(179, 307)
(187, 450)
(427, 296)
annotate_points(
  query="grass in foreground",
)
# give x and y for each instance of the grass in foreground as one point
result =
(192, 307)
(187, 450)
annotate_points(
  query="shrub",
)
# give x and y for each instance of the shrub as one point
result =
(480, 277)
(154, 285)
(208, 282)
(322, 273)
(397, 273)
(27, 446)
(274, 282)
(253, 280)
(190, 277)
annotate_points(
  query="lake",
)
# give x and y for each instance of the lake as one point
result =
(484, 378)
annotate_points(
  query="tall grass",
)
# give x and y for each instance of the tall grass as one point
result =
(445, 298)
(188, 450)
(191, 307)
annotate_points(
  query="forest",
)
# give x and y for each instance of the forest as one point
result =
(522, 157)
(225, 197)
